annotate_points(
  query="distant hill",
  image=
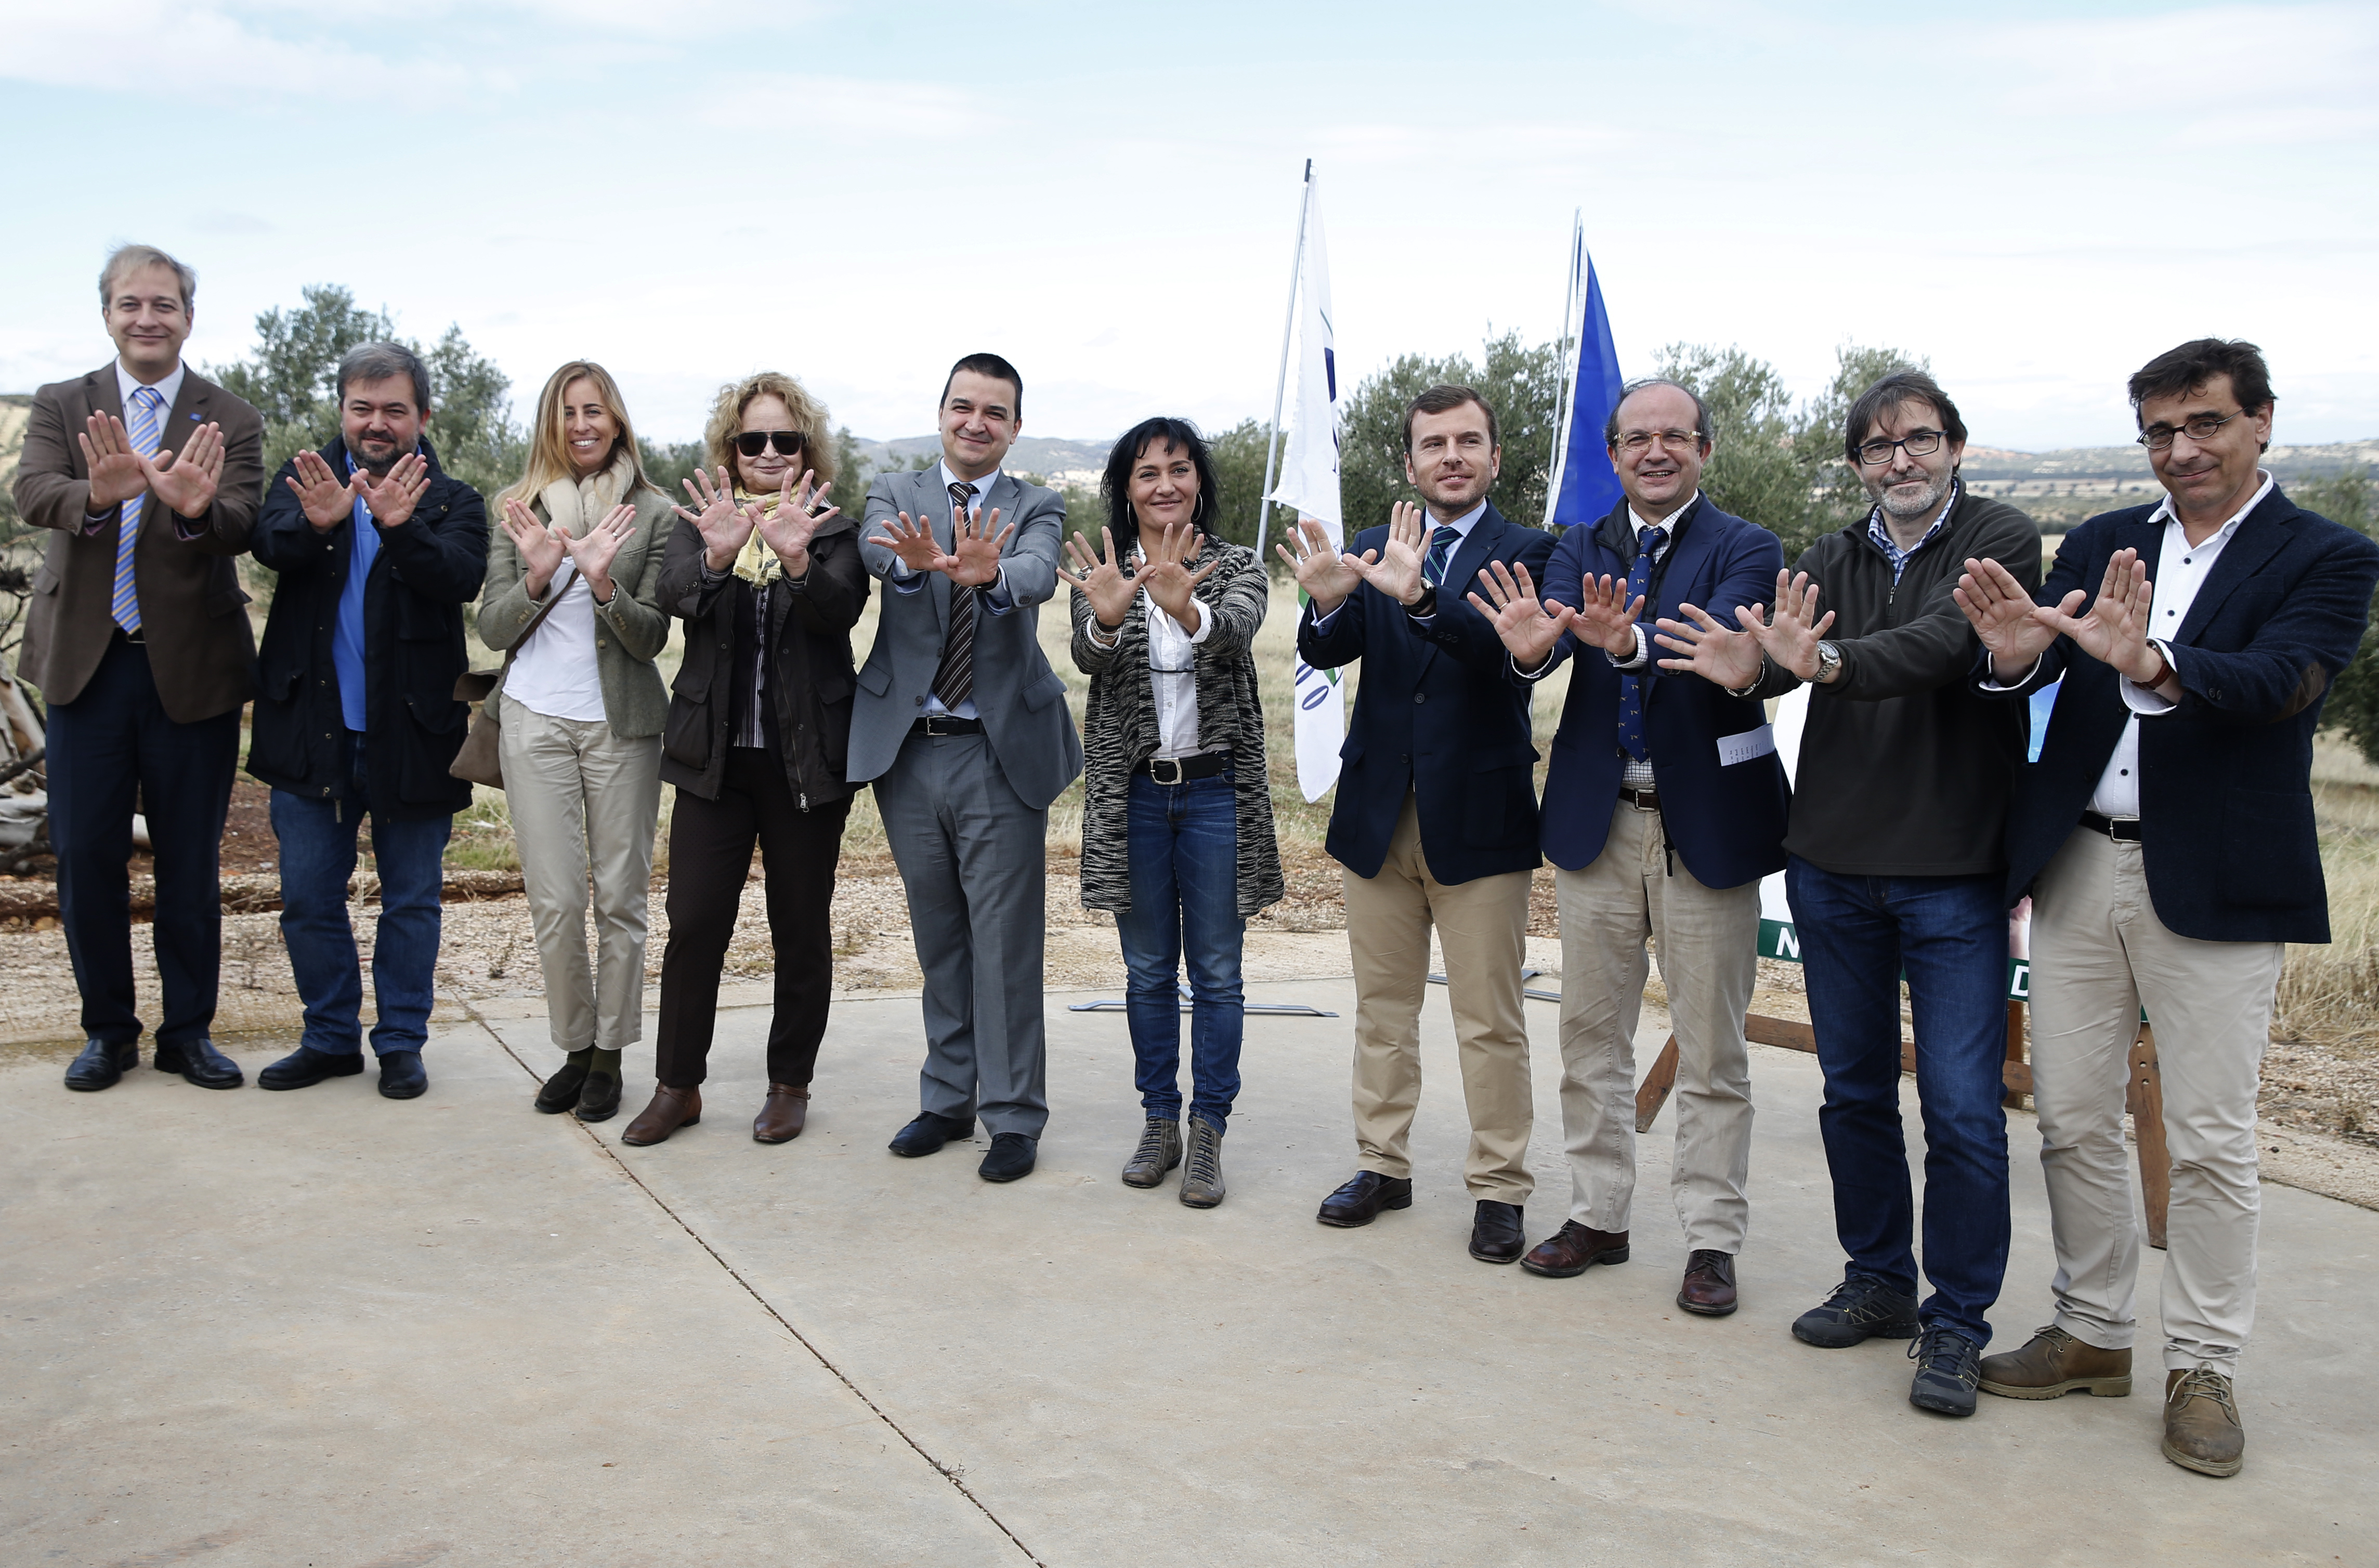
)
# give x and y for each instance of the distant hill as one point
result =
(2059, 488)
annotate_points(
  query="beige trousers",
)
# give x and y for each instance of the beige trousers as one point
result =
(1709, 940)
(2099, 954)
(584, 805)
(1483, 926)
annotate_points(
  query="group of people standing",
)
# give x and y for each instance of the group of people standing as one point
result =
(2165, 834)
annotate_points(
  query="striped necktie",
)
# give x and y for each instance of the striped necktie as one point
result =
(147, 403)
(1631, 687)
(1440, 551)
(954, 677)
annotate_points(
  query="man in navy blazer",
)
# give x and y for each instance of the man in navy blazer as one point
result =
(2167, 838)
(1436, 815)
(1664, 807)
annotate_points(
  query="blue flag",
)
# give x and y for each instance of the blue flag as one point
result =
(1586, 487)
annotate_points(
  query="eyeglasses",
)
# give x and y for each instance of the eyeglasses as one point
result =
(1916, 443)
(1641, 440)
(751, 444)
(2200, 427)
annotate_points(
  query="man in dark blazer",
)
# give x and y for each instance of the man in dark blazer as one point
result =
(2167, 838)
(149, 478)
(964, 728)
(1664, 807)
(1436, 815)
(379, 550)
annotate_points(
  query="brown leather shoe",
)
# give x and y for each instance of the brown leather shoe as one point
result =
(1574, 1248)
(1709, 1283)
(2052, 1363)
(2201, 1422)
(781, 1114)
(671, 1109)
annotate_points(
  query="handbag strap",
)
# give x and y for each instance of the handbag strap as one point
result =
(534, 621)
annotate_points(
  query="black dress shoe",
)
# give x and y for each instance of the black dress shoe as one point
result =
(101, 1065)
(200, 1063)
(402, 1076)
(559, 1093)
(1495, 1235)
(1011, 1156)
(929, 1132)
(600, 1099)
(1360, 1201)
(306, 1066)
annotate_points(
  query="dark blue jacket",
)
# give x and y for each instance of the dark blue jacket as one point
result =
(1726, 819)
(1434, 715)
(2226, 802)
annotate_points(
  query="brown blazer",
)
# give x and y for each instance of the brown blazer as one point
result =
(193, 614)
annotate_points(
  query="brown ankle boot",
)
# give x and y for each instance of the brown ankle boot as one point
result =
(2054, 1362)
(671, 1109)
(2201, 1422)
(783, 1113)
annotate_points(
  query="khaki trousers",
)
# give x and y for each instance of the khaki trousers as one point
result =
(1709, 940)
(2099, 954)
(585, 802)
(1483, 926)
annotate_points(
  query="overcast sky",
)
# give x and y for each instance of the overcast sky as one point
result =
(2037, 196)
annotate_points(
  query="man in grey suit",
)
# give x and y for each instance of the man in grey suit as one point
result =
(962, 727)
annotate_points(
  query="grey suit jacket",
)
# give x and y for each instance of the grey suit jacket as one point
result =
(1021, 699)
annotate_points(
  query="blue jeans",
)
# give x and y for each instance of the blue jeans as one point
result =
(318, 855)
(1949, 934)
(1184, 847)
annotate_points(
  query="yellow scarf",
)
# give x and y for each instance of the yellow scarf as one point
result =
(757, 563)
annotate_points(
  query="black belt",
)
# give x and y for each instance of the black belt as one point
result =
(2125, 829)
(138, 639)
(1180, 771)
(945, 724)
(1642, 799)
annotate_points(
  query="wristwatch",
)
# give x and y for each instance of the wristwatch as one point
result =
(1830, 662)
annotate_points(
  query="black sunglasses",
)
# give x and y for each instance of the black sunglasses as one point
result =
(751, 444)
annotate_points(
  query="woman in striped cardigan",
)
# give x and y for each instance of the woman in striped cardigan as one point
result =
(1177, 810)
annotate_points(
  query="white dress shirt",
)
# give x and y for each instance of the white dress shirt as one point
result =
(1172, 674)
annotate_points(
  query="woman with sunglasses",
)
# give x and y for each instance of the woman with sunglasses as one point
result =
(1176, 808)
(573, 596)
(765, 575)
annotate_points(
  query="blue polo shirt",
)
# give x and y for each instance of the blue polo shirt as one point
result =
(347, 631)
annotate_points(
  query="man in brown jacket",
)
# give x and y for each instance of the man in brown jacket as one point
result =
(149, 479)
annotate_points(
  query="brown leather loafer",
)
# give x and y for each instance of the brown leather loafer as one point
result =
(2202, 1431)
(671, 1109)
(781, 1114)
(2052, 1363)
(1574, 1248)
(1709, 1283)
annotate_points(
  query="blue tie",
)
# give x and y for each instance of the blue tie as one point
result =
(126, 603)
(1631, 687)
(1441, 550)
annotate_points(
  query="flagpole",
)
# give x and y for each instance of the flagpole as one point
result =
(1567, 402)
(1280, 383)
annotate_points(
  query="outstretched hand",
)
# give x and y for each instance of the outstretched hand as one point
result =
(593, 552)
(1527, 626)
(2116, 630)
(790, 531)
(1165, 571)
(1791, 638)
(2003, 618)
(1321, 571)
(540, 548)
(1098, 578)
(1710, 648)
(1395, 567)
(392, 498)
(722, 525)
(325, 501)
(1606, 616)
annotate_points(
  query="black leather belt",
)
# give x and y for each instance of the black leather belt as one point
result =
(945, 724)
(1180, 771)
(2123, 829)
(137, 639)
(1642, 799)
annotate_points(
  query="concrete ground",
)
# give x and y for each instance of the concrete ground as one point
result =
(322, 1328)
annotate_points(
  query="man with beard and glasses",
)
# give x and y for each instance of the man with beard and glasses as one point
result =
(379, 550)
(1896, 866)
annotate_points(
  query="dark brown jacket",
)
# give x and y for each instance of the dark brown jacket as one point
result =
(193, 614)
(810, 677)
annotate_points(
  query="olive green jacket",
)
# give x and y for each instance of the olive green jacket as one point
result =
(630, 631)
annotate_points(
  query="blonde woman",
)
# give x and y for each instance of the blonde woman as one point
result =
(766, 577)
(573, 594)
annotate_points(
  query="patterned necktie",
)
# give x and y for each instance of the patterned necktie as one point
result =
(1631, 687)
(147, 403)
(954, 678)
(1441, 550)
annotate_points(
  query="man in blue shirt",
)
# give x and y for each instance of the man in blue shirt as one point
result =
(377, 549)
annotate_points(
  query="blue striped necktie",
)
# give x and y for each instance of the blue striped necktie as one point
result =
(1441, 550)
(147, 403)
(1631, 687)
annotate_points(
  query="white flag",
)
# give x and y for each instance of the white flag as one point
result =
(1309, 483)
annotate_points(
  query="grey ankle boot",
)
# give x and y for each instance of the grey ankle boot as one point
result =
(1201, 1176)
(1159, 1152)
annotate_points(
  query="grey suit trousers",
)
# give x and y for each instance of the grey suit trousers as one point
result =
(974, 859)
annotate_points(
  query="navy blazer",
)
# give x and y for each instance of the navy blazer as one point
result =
(1726, 818)
(1434, 715)
(2225, 799)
